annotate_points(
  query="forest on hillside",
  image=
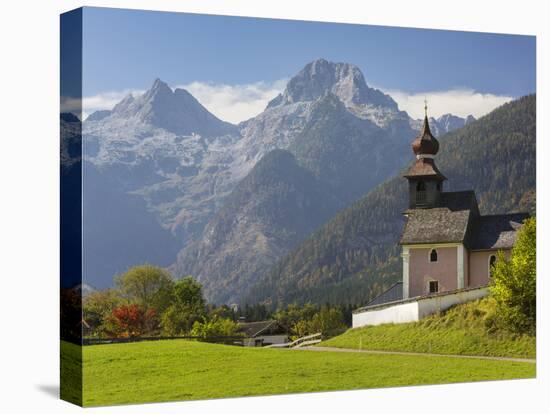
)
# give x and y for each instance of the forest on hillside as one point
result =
(355, 255)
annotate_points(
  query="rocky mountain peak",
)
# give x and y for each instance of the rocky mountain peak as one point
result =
(123, 107)
(445, 123)
(344, 80)
(159, 91)
(175, 111)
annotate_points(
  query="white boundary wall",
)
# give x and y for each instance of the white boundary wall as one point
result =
(400, 313)
(414, 310)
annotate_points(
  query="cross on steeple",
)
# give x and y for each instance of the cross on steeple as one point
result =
(425, 107)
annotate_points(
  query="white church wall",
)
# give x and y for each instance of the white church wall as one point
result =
(431, 305)
(414, 310)
(401, 313)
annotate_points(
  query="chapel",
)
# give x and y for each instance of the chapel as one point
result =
(446, 243)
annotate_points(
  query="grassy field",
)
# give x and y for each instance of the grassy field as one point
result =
(464, 330)
(187, 370)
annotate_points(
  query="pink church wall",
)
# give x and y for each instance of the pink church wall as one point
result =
(479, 267)
(421, 270)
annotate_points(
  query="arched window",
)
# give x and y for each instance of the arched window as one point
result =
(421, 186)
(492, 260)
(433, 255)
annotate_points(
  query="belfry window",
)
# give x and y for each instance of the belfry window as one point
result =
(492, 260)
(433, 255)
(421, 193)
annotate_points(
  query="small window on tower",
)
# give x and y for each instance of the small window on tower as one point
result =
(421, 186)
(433, 286)
(440, 186)
(433, 255)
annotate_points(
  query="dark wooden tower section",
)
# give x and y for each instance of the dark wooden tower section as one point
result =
(425, 180)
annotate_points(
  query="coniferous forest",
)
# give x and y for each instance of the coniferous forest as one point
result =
(355, 255)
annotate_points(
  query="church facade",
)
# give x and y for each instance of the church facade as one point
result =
(448, 247)
(446, 243)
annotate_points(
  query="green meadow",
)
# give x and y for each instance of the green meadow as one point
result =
(188, 370)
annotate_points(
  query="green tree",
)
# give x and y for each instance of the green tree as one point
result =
(97, 306)
(514, 282)
(187, 307)
(328, 320)
(292, 318)
(188, 292)
(222, 311)
(214, 327)
(300, 328)
(146, 285)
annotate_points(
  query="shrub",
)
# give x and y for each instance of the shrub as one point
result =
(308, 319)
(514, 282)
(214, 327)
(128, 321)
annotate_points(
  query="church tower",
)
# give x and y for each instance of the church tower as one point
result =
(425, 180)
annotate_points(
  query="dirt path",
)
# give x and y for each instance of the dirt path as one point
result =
(333, 349)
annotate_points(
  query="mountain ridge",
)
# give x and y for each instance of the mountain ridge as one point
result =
(270, 211)
(184, 167)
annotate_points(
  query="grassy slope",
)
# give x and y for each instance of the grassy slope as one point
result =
(71, 373)
(187, 370)
(465, 329)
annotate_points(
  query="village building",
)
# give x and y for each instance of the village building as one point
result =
(448, 247)
(263, 333)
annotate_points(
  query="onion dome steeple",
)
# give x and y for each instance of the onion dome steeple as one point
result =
(425, 180)
(425, 143)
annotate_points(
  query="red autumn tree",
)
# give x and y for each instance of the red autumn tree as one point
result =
(132, 320)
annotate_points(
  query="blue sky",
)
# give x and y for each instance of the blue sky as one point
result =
(216, 56)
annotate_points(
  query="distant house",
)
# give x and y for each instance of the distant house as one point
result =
(263, 333)
(448, 247)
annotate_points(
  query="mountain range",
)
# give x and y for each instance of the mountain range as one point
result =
(167, 182)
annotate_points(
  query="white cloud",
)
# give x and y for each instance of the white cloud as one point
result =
(235, 103)
(105, 100)
(232, 103)
(69, 104)
(90, 104)
(461, 102)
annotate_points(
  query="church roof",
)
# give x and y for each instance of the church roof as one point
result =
(448, 223)
(496, 232)
(457, 220)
